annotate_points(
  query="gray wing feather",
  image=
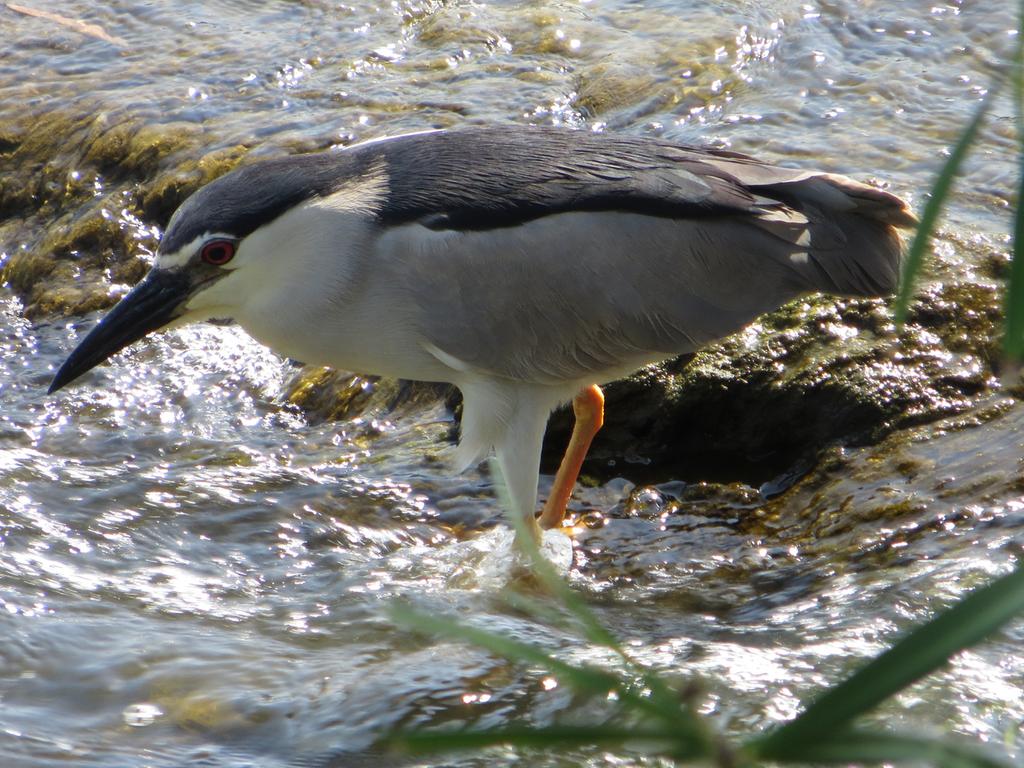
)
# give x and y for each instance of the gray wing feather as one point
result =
(545, 255)
(491, 177)
(581, 295)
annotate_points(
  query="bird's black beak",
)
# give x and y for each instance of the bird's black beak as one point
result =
(150, 305)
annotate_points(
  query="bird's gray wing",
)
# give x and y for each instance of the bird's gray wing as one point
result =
(588, 295)
(545, 255)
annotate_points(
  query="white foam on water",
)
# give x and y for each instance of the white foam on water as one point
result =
(490, 560)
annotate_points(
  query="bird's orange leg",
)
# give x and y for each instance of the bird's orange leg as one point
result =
(588, 406)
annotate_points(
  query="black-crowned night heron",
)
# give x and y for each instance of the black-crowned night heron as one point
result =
(523, 265)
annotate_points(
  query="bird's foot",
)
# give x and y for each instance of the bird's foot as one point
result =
(565, 522)
(555, 546)
(529, 535)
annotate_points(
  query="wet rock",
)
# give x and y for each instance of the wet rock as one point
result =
(83, 194)
(325, 394)
(79, 263)
(132, 148)
(812, 374)
(161, 197)
(945, 491)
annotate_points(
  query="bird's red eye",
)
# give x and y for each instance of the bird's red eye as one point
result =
(218, 252)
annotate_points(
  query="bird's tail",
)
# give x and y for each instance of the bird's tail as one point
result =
(848, 229)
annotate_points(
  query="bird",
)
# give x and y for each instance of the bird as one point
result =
(526, 265)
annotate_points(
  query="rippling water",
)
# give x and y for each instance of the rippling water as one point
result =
(191, 574)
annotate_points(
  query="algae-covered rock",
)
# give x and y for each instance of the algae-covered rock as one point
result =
(774, 396)
(84, 194)
(325, 394)
(162, 196)
(121, 147)
(23, 270)
(81, 261)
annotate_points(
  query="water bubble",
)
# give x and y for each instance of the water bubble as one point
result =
(142, 714)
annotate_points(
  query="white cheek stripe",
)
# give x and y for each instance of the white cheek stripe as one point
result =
(183, 255)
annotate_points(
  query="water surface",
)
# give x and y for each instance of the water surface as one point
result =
(193, 574)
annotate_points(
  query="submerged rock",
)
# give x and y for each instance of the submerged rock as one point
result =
(931, 492)
(325, 394)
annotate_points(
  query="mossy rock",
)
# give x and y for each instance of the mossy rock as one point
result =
(161, 197)
(760, 403)
(611, 86)
(79, 262)
(72, 193)
(130, 147)
(25, 270)
(9, 142)
(325, 394)
(94, 236)
(108, 145)
(71, 300)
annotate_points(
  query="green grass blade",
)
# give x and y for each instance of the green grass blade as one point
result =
(662, 697)
(586, 680)
(554, 737)
(541, 610)
(870, 747)
(583, 679)
(1013, 342)
(930, 215)
(916, 655)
